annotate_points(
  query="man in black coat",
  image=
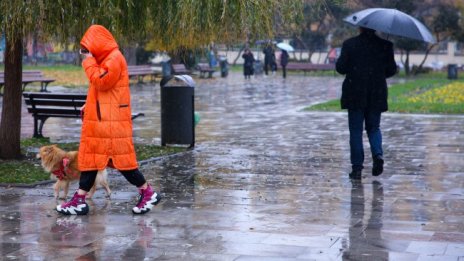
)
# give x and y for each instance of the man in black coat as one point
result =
(366, 60)
(269, 57)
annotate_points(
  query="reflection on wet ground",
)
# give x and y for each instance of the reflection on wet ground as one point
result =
(266, 181)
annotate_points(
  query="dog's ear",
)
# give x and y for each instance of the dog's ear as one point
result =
(49, 149)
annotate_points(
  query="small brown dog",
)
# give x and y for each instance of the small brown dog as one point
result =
(63, 167)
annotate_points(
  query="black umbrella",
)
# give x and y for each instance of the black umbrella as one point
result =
(391, 21)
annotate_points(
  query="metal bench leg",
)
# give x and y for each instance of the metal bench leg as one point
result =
(24, 86)
(39, 126)
(43, 86)
(36, 128)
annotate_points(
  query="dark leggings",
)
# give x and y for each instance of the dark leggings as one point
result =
(135, 177)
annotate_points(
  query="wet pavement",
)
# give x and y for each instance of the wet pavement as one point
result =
(265, 181)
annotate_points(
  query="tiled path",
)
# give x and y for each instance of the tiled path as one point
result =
(266, 181)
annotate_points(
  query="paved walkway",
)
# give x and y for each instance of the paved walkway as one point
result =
(266, 181)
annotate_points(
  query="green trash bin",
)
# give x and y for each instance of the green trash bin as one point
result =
(452, 71)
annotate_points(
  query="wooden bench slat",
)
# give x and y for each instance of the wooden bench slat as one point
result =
(54, 96)
(30, 76)
(180, 69)
(54, 112)
(59, 103)
(140, 71)
(205, 68)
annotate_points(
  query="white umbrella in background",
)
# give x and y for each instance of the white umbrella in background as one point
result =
(391, 21)
(286, 47)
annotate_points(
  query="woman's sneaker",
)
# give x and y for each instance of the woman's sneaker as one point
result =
(148, 198)
(76, 206)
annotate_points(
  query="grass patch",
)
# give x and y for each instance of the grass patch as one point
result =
(29, 169)
(424, 95)
(64, 75)
(22, 171)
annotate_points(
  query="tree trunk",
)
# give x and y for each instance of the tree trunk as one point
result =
(10, 124)
(407, 70)
(130, 55)
(239, 55)
(310, 55)
(419, 68)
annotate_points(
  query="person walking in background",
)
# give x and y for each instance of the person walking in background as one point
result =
(366, 60)
(269, 58)
(248, 63)
(106, 137)
(212, 61)
(273, 63)
(283, 62)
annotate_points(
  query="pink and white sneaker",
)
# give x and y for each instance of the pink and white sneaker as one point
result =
(76, 206)
(148, 198)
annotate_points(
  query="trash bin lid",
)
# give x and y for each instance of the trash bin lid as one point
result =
(186, 80)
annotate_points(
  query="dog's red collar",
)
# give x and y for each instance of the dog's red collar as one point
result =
(64, 170)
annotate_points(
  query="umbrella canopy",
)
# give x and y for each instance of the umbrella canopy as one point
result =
(391, 21)
(286, 47)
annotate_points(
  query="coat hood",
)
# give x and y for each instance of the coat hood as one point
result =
(99, 41)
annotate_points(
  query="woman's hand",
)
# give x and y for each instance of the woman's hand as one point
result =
(86, 55)
(82, 111)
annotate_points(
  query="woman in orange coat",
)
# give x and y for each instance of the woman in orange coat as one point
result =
(106, 138)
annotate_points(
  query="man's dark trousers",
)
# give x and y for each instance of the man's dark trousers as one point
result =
(356, 118)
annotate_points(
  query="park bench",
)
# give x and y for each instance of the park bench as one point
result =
(204, 69)
(140, 71)
(62, 105)
(30, 77)
(180, 69)
(310, 67)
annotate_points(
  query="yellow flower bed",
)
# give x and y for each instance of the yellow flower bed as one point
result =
(449, 94)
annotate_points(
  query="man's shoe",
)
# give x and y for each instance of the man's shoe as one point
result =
(355, 174)
(148, 198)
(377, 166)
(76, 206)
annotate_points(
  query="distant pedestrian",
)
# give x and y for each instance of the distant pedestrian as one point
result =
(248, 63)
(283, 62)
(269, 58)
(212, 61)
(366, 60)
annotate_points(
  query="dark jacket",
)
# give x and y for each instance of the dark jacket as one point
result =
(248, 63)
(367, 60)
(269, 55)
(249, 59)
(284, 58)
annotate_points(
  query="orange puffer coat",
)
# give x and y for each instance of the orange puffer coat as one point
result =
(107, 125)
